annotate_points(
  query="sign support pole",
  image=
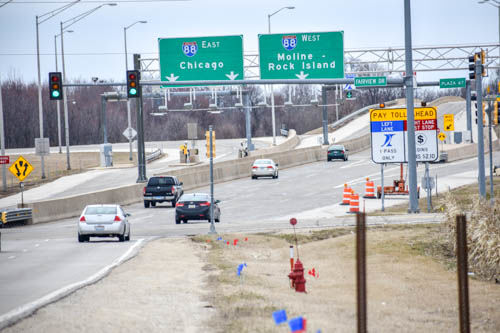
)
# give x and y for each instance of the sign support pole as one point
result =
(2, 141)
(325, 116)
(212, 225)
(428, 187)
(412, 163)
(21, 185)
(248, 120)
(468, 109)
(382, 185)
(492, 196)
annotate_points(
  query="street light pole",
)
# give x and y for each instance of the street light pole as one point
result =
(65, 99)
(129, 117)
(39, 19)
(273, 113)
(58, 101)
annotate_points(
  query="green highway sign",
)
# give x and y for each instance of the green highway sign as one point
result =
(201, 58)
(370, 81)
(314, 55)
(452, 83)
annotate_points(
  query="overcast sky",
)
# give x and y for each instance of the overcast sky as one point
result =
(96, 47)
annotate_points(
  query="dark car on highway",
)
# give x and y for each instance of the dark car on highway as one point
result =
(162, 189)
(195, 206)
(337, 152)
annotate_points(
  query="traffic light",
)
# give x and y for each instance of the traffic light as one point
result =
(484, 113)
(55, 85)
(349, 94)
(473, 96)
(495, 113)
(133, 78)
(472, 65)
(207, 136)
(483, 60)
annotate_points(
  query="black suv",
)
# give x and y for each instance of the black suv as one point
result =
(162, 188)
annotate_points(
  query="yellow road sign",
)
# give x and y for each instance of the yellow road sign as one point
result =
(21, 168)
(441, 136)
(449, 123)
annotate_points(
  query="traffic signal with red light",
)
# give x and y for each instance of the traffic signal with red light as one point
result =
(55, 85)
(133, 78)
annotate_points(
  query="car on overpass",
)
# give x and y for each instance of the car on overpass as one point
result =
(195, 206)
(162, 189)
(103, 221)
(337, 152)
(264, 168)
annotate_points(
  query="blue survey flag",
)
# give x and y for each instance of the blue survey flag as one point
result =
(240, 268)
(297, 324)
(279, 317)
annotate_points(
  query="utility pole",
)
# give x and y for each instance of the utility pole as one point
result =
(141, 156)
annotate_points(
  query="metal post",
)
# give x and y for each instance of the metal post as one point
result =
(212, 225)
(248, 120)
(103, 119)
(361, 270)
(58, 103)
(462, 272)
(273, 116)
(480, 134)
(2, 141)
(325, 116)
(129, 116)
(490, 115)
(141, 156)
(40, 104)
(412, 163)
(336, 102)
(382, 185)
(65, 102)
(468, 108)
(428, 187)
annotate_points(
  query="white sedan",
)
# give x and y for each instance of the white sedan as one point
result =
(103, 221)
(264, 168)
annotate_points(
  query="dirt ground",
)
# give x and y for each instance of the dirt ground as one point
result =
(185, 286)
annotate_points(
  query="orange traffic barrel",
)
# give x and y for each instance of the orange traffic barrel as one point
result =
(347, 195)
(369, 189)
(354, 205)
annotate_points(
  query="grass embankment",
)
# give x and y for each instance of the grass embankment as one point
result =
(56, 167)
(410, 275)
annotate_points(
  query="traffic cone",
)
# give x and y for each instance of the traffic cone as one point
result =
(369, 189)
(346, 196)
(354, 203)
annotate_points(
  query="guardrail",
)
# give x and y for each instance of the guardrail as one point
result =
(154, 155)
(15, 214)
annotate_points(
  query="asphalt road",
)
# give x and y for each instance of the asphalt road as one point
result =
(39, 259)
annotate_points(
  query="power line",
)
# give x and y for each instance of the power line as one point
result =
(2, 3)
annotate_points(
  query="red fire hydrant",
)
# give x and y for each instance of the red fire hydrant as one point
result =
(297, 277)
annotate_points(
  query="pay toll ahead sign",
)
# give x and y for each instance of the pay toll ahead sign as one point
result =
(315, 55)
(389, 136)
(201, 58)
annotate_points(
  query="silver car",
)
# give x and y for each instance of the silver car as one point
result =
(103, 221)
(264, 168)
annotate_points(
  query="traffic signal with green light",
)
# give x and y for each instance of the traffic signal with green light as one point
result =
(348, 94)
(133, 90)
(55, 85)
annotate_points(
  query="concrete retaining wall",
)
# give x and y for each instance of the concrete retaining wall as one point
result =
(291, 142)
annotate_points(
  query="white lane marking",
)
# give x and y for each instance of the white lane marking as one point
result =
(25, 250)
(362, 179)
(46, 240)
(357, 163)
(37, 245)
(25, 310)
(11, 257)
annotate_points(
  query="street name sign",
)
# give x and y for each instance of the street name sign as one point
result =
(370, 81)
(314, 55)
(389, 136)
(201, 58)
(21, 168)
(448, 122)
(452, 83)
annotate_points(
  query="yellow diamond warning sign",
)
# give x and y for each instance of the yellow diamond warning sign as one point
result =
(21, 168)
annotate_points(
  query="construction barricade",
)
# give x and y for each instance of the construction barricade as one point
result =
(346, 196)
(369, 189)
(354, 203)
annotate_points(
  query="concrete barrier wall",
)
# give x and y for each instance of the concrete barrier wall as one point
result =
(469, 150)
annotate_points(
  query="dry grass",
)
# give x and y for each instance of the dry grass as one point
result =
(56, 167)
(410, 283)
(483, 232)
